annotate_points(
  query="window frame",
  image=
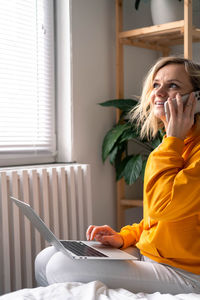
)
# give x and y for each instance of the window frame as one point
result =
(64, 97)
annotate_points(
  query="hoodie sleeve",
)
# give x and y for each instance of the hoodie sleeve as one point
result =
(172, 185)
(131, 234)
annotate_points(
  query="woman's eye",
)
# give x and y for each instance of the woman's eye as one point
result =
(155, 85)
(173, 85)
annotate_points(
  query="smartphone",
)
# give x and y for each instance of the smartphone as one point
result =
(184, 99)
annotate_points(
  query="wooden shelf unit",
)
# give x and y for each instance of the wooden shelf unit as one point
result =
(159, 38)
(128, 203)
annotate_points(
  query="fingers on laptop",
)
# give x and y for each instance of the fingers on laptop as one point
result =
(105, 235)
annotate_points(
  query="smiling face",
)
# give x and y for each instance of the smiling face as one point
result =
(169, 80)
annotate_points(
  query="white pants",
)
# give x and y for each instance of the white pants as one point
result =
(143, 275)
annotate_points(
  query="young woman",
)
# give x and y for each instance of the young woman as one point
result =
(167, 240)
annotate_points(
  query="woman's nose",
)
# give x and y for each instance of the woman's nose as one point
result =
(161, 91)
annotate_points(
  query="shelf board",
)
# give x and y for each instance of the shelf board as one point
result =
(158, 37)
(131, 202)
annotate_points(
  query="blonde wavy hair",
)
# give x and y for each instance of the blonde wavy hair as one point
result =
(142, 113)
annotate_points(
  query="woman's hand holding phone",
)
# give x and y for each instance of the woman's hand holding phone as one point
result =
(181, 117)
(184, 99)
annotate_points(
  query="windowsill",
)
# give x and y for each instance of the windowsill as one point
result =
(29, 166)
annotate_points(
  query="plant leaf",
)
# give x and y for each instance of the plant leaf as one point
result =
(156, 142)
(129, 134)
(137, 2)
(122, 147)
(143, 168)
(111, 138)
(123, 104)
(133, 169)
(113, 154)
(121, 166)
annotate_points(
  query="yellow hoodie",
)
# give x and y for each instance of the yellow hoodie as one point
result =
(170, 230)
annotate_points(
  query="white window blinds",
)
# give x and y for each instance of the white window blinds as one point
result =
(27, 123)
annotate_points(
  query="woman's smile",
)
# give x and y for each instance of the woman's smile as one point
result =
(159, 103)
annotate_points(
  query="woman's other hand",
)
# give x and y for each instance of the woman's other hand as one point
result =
(105, 235)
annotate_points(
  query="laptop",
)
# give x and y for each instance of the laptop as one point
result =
(73, 249)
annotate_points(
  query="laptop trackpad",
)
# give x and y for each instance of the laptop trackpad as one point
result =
(114, 253)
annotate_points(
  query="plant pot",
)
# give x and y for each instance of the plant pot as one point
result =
(164, 11)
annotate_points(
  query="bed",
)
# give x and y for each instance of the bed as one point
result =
(95, 290)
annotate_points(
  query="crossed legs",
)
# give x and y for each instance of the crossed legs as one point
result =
(52, 266)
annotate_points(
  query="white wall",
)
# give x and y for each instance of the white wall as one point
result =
(93, 48)
(137, 63)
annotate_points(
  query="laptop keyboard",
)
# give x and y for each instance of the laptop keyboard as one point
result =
(81, 249)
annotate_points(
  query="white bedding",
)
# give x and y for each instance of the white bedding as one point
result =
(88, 291)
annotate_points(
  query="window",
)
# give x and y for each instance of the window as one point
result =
(27, 89)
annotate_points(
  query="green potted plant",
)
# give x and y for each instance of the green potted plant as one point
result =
(116, 141)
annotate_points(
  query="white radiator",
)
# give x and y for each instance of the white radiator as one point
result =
(60, 194)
